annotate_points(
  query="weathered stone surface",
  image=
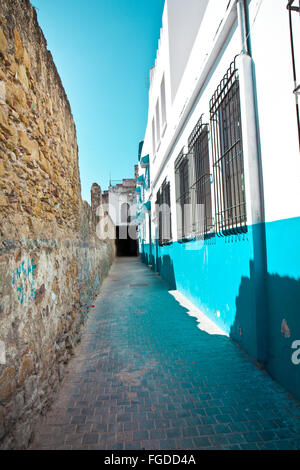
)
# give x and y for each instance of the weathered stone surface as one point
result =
(3, 41)
(18, 45)
(2, 428)
(7, 383)
(2, 91)
(26, 368)
(52, 263)
(22, 76)
(30, 146)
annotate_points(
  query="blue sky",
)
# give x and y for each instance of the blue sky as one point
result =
(103, 50)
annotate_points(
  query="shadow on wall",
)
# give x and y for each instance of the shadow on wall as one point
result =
(144, 255)
(267, 318)
(201, 360)
(281, 329)
(163, 265)
(166, 269)
(147, 256)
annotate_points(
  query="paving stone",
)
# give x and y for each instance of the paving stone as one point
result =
(222, 429)
(252, 437)
(152, 444)
(218, 440)
(155, 381)
(190, 431)
(140, 435)
(249, 446)
(174, 433)
(202, 442)
(90, 438)
(186, 444)
(168, 444)
(73, 439)
(78, 419)
(83, 428)
(157, 434)
(99, 428)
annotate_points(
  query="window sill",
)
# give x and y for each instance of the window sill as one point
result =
(170, 242)
(187, 239)
(233, 231)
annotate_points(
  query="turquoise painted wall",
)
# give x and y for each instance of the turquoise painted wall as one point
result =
(283, 284)
(221, 278)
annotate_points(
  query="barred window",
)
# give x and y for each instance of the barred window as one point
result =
(158, 216)
(163, 204)
(228, 164)
(125, 213)
(147, 177)
(163, 102)
(153, 138)
(201, 179)
(157, 123)
(183, 196)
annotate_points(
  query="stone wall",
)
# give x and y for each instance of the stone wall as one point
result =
(51, 261)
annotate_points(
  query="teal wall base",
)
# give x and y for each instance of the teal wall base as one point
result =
(247, 296)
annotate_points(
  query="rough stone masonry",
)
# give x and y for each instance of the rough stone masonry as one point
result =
(51, 262)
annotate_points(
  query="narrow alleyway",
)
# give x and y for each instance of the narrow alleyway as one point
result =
(146, 377)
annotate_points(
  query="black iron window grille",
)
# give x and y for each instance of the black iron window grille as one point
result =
(228, 161)
(163, 204)
(125, 213)
(158, 216)
(291, 7)
(201, 179)
(183, 196)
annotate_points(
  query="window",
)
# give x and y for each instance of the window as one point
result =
(147, 178)
(163, 206)
(125, 217)
(183, 196)
(140, 149)
(163, 102)
(153, 137)
(201, 181)
(157, 124)
(228, 164)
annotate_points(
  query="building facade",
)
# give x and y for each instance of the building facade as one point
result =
(219, 171)
(120, 203)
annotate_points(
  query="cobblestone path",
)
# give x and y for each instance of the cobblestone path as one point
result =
(146, 377)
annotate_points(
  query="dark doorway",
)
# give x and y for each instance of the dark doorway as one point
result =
(125, 245)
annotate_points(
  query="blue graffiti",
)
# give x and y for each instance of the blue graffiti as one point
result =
(20, 293)
(23, 280)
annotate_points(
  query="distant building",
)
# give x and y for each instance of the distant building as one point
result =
(120, 199)
(219, 170)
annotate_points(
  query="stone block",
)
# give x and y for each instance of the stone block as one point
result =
(26, 60)
(2, 91)
(2, 428)
(7, 383)
(22, 76)
(41, 212)
(26, 369)
(31, 147)
(31, 389)
(18, 45)
(3, 41)
(22, 435)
